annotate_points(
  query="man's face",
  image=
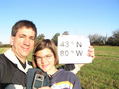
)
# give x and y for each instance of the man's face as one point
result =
(23, 42)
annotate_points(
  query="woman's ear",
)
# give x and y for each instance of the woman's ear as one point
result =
(11, 40)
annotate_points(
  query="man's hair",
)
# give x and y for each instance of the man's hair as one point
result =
(23, 23)
(46, 43)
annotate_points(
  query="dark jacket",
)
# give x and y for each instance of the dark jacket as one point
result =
(11, 71)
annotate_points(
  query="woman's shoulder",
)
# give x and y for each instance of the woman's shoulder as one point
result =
(68, 73)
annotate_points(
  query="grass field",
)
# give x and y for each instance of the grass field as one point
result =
(2, 50)
(103, 73)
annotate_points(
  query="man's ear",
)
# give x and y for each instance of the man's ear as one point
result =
(11, 40)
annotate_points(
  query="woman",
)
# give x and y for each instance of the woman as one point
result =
(45, 57)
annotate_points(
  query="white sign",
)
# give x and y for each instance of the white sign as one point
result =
(73, 49)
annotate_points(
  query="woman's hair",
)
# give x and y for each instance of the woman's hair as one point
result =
(46, 43)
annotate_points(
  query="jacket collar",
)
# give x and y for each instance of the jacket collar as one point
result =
(11, 56)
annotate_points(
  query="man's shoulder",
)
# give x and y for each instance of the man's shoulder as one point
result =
(1, 54)
(5, 61)
(2, 58)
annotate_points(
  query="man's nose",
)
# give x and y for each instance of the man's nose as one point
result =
(27, 41)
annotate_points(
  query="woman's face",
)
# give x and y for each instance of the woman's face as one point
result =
(45, 59)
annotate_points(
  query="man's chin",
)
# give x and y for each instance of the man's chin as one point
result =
(25, 55)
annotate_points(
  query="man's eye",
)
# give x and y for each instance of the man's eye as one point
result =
(21, 36)
(48, 56)
(32, 38)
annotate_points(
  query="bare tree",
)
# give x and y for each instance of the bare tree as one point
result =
(97, 39)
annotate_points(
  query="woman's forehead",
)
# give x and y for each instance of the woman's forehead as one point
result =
(44, 51)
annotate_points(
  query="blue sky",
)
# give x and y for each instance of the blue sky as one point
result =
(78, 17)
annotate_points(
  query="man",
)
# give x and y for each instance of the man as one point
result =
(13, 63)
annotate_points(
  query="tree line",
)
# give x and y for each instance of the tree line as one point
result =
(95, 39)
(113, 40)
